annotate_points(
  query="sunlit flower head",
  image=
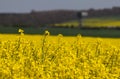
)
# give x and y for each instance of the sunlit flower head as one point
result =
(47, 33)
(20, 30)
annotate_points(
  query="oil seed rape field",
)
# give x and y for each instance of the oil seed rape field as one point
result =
(105, 21)
(58, 57)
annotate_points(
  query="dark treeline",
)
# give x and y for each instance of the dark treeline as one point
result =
(114, 11)
(41, 18)
(36, 18)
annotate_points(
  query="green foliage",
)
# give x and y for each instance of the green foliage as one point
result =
(65, 31)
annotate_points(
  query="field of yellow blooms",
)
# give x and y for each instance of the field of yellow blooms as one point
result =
(58, 57)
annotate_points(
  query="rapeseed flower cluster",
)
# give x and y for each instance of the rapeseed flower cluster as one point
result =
(21, 31)
(58, 59)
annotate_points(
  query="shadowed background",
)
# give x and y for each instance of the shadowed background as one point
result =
(41, 15)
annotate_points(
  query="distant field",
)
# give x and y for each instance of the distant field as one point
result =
(112, 21)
